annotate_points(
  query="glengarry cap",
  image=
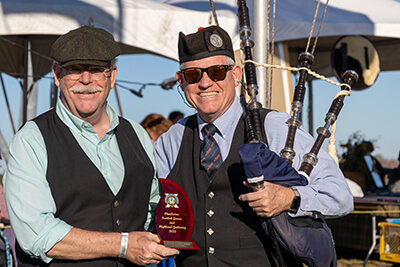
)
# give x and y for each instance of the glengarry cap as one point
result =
(206, 42)
(85, 45)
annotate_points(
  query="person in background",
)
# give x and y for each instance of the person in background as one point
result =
(175, 116)
(80, 186)
(155, 125)
(394, 178)
(227, 226)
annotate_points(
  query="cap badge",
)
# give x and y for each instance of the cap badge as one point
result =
(216, 40)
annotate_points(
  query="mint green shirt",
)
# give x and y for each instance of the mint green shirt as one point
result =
(29, 201)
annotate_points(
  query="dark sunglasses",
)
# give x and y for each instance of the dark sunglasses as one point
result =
(216, 73)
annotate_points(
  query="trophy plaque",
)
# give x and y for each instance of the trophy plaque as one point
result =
(174, 217)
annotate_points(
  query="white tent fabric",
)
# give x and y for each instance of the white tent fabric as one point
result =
(141, 26)
(294, 17)
(146, 26)
(377, 20)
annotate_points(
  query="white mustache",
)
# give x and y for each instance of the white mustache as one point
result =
(85, 89)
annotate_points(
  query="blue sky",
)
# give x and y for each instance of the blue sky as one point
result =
(372, 112)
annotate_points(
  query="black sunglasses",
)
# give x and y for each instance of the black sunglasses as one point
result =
(216, 73)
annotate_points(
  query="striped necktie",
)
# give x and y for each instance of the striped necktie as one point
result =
(210, 155)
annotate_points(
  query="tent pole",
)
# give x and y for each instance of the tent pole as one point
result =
(7, 103)
(119, 104)
(53, 94)
(32, 92)
(25, 85)
(4, 148)
(260, 22)
(29, 87)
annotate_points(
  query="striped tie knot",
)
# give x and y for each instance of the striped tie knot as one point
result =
(209, 130)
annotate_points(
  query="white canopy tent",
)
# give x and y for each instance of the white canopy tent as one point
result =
(140, 26)
(377, 20)
(145, 26)
(29, 28)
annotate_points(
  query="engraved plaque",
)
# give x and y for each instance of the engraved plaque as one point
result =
(174, 217)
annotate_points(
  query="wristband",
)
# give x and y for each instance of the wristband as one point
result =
(124, 245)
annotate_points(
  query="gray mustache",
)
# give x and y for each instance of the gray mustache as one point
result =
(82, 89)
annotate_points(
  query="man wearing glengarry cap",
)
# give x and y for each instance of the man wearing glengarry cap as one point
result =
(200, 153)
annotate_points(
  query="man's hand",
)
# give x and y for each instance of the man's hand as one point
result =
(144, 248)
(270, 201)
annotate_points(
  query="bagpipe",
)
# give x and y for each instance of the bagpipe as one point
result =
(308, 240)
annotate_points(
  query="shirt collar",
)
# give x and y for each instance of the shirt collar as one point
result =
(225, 122)
(77, 125)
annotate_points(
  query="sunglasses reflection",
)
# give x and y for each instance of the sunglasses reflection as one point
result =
(216, 73)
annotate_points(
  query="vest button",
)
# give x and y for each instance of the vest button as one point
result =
(211, 194)
(211, 250)
(118, 222)
(210, 231)
(116, 203)
(210, 213)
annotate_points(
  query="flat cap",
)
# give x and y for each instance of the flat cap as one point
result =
(85, 45)
(206, 42)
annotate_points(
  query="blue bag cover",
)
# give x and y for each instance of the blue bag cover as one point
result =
(259, 160)
(310, 240)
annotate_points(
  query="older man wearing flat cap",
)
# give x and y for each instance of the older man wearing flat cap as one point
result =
(80, 185)
(200, 153)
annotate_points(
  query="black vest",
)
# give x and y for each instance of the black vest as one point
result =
(226, 229)
(82, 196)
